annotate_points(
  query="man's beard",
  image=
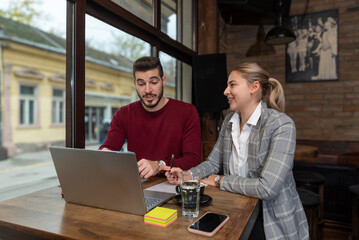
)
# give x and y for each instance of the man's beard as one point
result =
(151, 105)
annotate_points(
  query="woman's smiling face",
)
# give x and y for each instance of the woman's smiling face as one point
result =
(238, 91)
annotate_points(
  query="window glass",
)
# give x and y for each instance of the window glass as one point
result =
(186, 82)
(31, 112)
(38, 59)
(22, 112)
(57, 93)
(178, 21)
(110, 54)
(169, 65)
(141, 8)
(26, 90)
(188, 25)
(34, 33)
(62, 112)
(179, 78)
(169, 18)
(27, 105)
(58, 103)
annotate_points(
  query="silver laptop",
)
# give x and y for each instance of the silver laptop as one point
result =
(104, 179)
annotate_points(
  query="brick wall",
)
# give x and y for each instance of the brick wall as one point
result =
(321, 110)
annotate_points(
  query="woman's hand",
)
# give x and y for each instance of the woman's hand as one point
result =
(210, 180)
(173, 174)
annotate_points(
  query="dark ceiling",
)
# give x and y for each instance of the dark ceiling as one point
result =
(247, 12)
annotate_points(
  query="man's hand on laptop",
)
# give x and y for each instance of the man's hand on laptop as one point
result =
(105, 149)
(147, 168)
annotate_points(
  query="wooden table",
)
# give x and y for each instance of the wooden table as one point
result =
(45, 215)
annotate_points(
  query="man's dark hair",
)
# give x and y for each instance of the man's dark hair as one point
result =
(144, 64)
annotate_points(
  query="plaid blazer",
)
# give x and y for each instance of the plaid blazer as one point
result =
(270, 177)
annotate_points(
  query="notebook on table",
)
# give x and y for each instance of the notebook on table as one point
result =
(104, 179)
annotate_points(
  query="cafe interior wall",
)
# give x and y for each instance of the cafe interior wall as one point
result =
(322, 111)
(326, 114)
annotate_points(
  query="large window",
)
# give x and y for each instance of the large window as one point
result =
(28, 105)
(58, 106)
(116, 33)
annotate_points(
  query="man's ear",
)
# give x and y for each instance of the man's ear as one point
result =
(255, 87)
(164, 80)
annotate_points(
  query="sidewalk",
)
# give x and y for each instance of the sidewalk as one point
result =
(28, 172)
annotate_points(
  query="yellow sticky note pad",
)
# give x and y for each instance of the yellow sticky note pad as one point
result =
(160, 216)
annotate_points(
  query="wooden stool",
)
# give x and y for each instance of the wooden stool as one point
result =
(314, 182)
(311, 201)
(355, 218)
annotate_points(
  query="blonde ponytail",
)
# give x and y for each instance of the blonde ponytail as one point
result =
(275, 95)
(272, 91)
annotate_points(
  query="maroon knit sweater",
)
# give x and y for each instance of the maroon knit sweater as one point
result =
(174, 129)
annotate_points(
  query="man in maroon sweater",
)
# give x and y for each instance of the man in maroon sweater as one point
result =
(156, 126)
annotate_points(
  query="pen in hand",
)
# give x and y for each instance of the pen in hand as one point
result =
(172, 158)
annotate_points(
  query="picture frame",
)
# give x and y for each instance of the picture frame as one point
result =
(313, 56)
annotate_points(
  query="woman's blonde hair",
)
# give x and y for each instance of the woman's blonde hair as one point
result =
(272, 91)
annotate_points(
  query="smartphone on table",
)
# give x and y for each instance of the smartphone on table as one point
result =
(208, 224)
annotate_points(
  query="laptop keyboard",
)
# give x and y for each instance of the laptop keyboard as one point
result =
(151, 202)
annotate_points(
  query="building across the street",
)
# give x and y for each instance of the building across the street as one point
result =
(33, 89)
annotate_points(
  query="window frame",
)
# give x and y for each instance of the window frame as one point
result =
(112, 14)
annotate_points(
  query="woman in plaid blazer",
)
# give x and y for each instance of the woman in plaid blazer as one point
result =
(254, 152)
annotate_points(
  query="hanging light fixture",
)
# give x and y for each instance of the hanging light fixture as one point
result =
(260, 48)
(280, 34)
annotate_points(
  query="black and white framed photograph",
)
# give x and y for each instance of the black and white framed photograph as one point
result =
(313, 56)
